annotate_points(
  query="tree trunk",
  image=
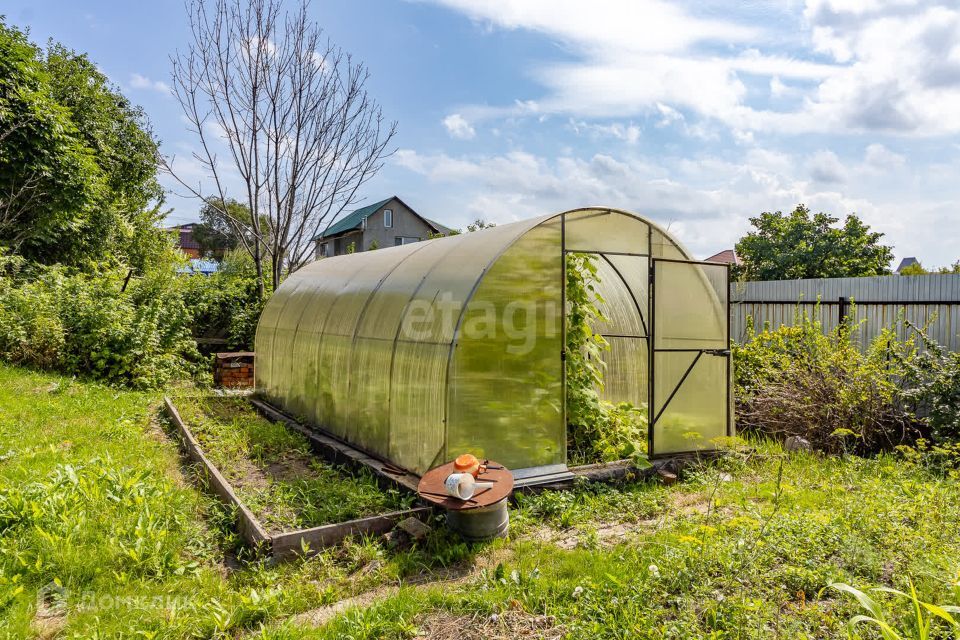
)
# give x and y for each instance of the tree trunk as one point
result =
(258, 263)
(277, 265)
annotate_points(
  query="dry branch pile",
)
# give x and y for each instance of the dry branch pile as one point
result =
(839, 395)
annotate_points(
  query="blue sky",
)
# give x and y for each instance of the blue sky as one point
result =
(697, 114)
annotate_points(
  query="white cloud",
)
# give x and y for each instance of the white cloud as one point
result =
(705, 200)
(458, 127)
(647, 73)
(742, 137)
(903, 74)
(777, 88)
(825, 166)
(138, 81)
(625, 26)
(668, 115)
(255, 45)
(877, 156)
(892, 66)
(629, 133)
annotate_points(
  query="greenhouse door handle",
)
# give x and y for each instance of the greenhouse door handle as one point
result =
(717, 352)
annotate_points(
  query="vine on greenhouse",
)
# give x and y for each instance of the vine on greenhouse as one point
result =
(597, 430)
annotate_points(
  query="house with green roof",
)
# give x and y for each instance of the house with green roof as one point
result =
(386, 223)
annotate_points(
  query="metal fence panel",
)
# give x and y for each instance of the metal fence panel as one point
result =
(880, 302)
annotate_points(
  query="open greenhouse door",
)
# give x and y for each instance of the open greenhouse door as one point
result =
(618, 247)
(689, 362)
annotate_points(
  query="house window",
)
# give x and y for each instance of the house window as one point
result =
(324, 250)
(387, 218)
(402, 240)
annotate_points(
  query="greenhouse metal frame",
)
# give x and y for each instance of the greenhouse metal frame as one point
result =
(420, 352)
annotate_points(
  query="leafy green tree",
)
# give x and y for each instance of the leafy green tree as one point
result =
(226, 304)
(218, 233)
(77, 160)
(801, 245)
(480, 224)
(917, 269)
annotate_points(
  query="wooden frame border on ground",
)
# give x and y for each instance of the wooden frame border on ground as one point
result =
(338, 451)
(292, 543)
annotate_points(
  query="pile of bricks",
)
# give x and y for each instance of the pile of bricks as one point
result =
(233, 370)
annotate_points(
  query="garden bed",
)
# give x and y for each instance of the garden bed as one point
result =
(284, 495)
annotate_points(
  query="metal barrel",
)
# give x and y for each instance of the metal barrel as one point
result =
(482, 523)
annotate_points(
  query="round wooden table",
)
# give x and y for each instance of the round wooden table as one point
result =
(483, 516)
(431, 487)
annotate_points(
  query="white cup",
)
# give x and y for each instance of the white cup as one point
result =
(463, 485)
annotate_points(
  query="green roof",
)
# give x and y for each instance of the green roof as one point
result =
(352, 220)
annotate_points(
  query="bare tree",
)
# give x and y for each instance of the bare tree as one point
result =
(284, 122)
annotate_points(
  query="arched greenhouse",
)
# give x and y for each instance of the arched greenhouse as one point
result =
(420, 352)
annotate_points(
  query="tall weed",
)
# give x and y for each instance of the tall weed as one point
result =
(932, 382)
(829, 388)
(109, 325)
(924, 620)
(48, 527)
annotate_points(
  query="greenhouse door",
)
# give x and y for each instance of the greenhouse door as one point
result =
(689, 361)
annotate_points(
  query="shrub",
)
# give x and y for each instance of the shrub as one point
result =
(933, 384)
(798, 381)
(107, 325)
(31, 331)
(226, 304)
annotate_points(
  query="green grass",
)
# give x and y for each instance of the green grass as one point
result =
(93, 496)
(273, 471)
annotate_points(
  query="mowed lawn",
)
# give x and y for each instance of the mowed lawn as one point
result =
(103, 533)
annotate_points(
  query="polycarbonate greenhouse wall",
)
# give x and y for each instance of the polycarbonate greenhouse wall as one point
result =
(420, 352)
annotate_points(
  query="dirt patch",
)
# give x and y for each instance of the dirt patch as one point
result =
(273, 471)
(323, 615)
(243, 473)
(499, 626)
(291, 466)
(253, 484)
(49, 621)
(690, 504)
(606, 534)
(49, 628)
(455, 575)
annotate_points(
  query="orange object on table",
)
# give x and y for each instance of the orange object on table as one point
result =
(432, 489)
(467, 463)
